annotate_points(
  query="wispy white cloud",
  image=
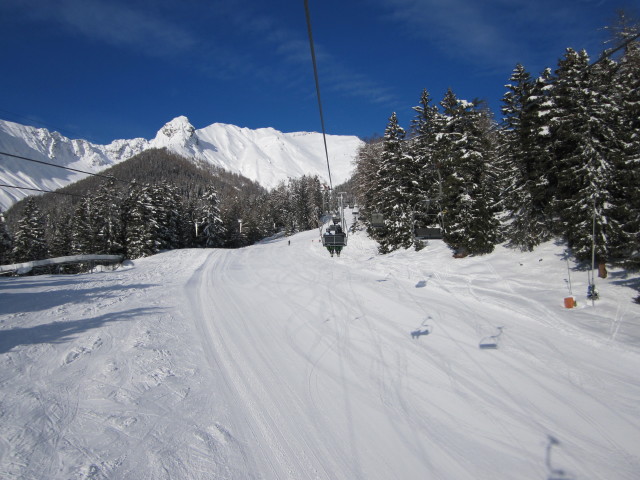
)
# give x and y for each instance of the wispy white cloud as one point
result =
(493, 33)
(292, 60)
(459, 28)
(113, 22)
(223, 39)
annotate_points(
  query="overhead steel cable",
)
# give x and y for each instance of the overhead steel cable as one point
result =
(40, 190)
(607, 53)
(315, 74)
(111, 177)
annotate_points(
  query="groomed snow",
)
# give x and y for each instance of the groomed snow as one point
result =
(279, 362)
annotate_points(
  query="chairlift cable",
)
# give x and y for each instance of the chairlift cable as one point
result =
(40, 190)
(60, 166)
(607, 53)
(315, 74)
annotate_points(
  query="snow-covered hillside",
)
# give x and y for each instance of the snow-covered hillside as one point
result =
(278, 362)
(264, 155)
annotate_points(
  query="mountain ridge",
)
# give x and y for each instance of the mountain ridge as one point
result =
(266, 156)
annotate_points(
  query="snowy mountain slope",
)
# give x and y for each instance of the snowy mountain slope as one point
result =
(277, 361)
(51, 147)
(263, 155)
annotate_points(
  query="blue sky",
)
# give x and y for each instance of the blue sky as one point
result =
(107, 69)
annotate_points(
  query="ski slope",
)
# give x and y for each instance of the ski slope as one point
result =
(278, 362)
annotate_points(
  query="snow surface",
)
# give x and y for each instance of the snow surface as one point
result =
(280, 362)
(265, 155)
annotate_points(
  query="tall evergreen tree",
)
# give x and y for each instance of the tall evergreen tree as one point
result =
(166, 210)
(397, 176)
(467, 156)
(142, 234)
(585, 146)
(212, 227)
(626, 88)
(425, 128)
(107, 219)
(29, 240)
(60, 243)
(82, 228)
(368, 186)
(526, 159)
(279, 204)
(6, 242)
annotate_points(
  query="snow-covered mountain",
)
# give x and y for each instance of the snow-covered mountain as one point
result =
(265, 155)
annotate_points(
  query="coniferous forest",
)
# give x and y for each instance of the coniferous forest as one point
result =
(155, 201)
(561, 161)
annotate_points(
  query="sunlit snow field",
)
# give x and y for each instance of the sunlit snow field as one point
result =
(280, 362)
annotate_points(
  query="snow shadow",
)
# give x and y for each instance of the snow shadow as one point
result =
(420, 332)
(490, 342)
(16, 283)
(34, 301)
(424, 329)
(554, 473)
(61, 332)
(625, 279)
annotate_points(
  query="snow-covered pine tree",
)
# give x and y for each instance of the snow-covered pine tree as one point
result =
(626, 88)
(234, 221)
(212, 228)
(425, 127)
(279, 205)
(266, 216)
(397, 181)
(6, 242)
(314, 203)
(299, 197)
(29, 240)
(466, 155)
(367, 182)
(107, 220)
(82, 228)
(60, 240)
(585, 148)
(142, 232)
(166, 212)
(526, 159)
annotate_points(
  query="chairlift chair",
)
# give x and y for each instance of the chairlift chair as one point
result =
(428, 233)
(377, 220)
(334, 239)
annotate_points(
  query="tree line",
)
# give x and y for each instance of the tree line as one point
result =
(179, 205)
(563, 161)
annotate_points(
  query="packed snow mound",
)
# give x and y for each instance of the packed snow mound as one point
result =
(264, 155)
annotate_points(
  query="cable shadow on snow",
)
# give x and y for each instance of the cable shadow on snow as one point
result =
(40, 281)
(13, 302)
(61, 332)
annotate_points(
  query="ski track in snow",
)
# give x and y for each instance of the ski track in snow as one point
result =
(279, 362)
